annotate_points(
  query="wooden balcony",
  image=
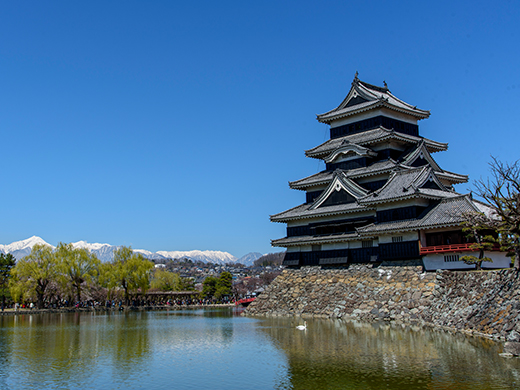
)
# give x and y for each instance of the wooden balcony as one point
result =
(425, 250)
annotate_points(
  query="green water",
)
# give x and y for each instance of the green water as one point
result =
(218, 349)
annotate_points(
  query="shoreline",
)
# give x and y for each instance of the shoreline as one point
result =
(101, 309)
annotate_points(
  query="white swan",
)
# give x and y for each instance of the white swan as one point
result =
(302, 327)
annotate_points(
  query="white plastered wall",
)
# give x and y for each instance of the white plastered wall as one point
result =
(335, 246)
(436, 261)
(407, 236)
(359, 244)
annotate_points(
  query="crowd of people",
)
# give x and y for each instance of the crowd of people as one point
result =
(121, 304)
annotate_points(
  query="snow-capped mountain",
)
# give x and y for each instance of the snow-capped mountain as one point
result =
(205, 256)
(22, 248)
(150, 255)
(250, 258)
(105, 252)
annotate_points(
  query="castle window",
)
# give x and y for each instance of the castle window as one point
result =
(451, 258)
(367, 244)
(397, 239)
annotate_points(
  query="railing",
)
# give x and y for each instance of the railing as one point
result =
(453, 248)
(245, 301)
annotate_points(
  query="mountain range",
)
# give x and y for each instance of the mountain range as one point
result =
(105, 252)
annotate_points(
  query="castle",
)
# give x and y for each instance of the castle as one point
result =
(382, 197)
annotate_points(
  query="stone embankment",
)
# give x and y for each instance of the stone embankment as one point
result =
(484, 303)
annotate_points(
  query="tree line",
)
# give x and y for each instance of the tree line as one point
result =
(66, 274)
(270, 259)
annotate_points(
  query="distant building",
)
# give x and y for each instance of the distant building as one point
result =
(382, 196)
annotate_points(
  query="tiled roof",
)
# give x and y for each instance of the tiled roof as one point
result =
(373, 97)
(454, 178)
(347, 148)
(407, 184)
(309, 240)
(449, 212)
(379, 167)
(313, 180)
(485, 208)
(422, 151)
(370, 137)
(304, 211)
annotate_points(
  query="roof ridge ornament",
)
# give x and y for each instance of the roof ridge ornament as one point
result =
(337, 172)
(356, 79)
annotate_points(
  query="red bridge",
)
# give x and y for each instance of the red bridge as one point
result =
(245, 301)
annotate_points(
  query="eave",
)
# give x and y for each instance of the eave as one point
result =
(453, 178)
(324, 181)
(403, 229)
(314, 240)
(449, 208)
(331, 116)
(356, 173)
(317, 213)
(413, 195)
(372, 137)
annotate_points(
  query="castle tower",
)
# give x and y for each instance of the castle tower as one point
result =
(382, 196)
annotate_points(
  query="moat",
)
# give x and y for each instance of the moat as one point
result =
(219, 349)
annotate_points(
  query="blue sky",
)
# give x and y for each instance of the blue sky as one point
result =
(172, 125)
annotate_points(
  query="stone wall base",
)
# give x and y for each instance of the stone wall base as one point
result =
(484, 303)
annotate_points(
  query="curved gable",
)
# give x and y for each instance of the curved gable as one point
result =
(341, 190)
(421, 157)
(349, 150)
(428, 179)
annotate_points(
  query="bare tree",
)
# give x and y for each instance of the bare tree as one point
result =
(502, 192)
(480, 229)
(272, 259)
(268, 277)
